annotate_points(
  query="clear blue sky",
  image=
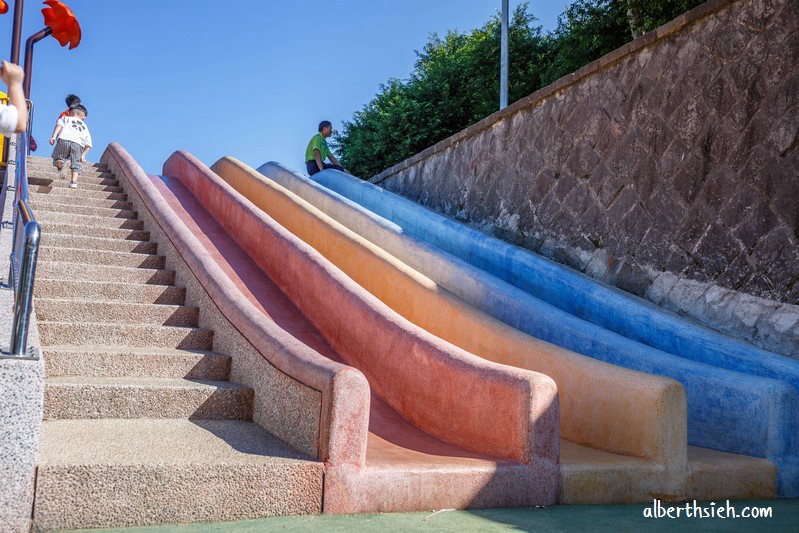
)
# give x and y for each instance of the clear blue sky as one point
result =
(250, 79)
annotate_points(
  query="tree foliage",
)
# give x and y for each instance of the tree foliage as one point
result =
(647, 15)
(455, 81)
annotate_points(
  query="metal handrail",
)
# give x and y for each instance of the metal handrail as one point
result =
(24, 251)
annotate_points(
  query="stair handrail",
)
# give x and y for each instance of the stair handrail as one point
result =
(24, 249)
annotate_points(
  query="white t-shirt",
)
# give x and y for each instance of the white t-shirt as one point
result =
(8, 119)
(75, 130)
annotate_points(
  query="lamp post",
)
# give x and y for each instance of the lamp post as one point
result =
(503, 63)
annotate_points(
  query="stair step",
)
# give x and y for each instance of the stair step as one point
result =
(126, 361)
(54, 228)
(40, 206)
(102, 257)
(77, 219)
(98, 243)
(47, 166)
(47, 162)
(130, 397)
(116, 473)
(66, 270)
(67, 193)
(109, 291)
(124, 334)
(45, 185)
(58, 310)
(80, 198)
(52, 176)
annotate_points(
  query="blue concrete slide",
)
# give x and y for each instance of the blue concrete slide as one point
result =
(728, 410)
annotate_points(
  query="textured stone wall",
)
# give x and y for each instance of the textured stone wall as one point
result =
(669, 168)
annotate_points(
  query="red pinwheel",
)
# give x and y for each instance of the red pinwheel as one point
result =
(62, 21)
(3, 7)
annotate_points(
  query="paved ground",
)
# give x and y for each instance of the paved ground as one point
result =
(785, 517)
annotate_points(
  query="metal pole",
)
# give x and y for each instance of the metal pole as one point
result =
(17, 32)
(27, 275)
(503, 69)
(33, 39)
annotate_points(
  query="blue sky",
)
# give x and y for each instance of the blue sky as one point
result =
(250, 79)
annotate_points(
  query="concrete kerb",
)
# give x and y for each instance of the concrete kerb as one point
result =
(308, 401)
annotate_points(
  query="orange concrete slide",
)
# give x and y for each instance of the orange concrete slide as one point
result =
(640, 419)
(446, 428)
(637, 417)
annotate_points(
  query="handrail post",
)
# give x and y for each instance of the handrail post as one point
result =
(24, 252)
(12, 259)
(27, 275)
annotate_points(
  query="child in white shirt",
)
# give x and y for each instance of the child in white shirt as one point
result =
(74, 142)
(14, 116)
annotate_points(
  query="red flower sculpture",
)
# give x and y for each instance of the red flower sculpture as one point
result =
(62, 21)
(3, 7)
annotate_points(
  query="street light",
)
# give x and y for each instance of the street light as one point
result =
(503, 63)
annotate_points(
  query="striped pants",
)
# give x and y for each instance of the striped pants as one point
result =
(68, 150)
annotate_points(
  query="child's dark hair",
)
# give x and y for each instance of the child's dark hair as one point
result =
(324, 124)
(78, 107)
(72, 100)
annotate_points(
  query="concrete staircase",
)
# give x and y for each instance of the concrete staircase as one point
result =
(141, 423)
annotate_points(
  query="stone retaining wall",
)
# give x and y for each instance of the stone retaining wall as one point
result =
(668, 168)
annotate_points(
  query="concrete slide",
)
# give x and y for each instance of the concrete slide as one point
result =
(610, 438)
(717, 397)
(442, 428)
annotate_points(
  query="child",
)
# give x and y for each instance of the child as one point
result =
(71, 100)
(14, 116)
(74, 141)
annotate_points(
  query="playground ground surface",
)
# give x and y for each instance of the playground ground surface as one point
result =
(784, 517)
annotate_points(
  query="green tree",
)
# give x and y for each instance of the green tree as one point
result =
(647, 15)
(455, 81)
(587, 30)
